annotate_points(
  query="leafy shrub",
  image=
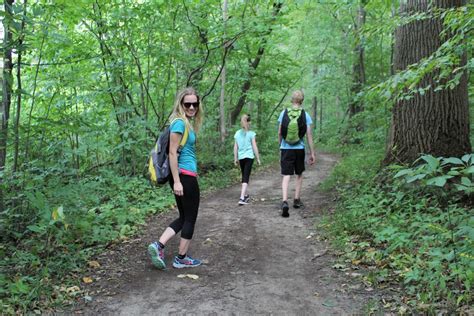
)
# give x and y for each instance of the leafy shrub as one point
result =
(412, 234)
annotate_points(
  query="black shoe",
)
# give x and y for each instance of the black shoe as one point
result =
(284, 209)
(297, 203)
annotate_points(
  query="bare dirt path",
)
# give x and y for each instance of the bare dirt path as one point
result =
(257, 262)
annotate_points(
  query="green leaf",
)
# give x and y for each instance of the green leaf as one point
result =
(466, 157)
(403, 172)
(36, 229)
(433, 162)
(416, 177)
(469, 170)
(438, 181)
(466, 181)
(453, 160)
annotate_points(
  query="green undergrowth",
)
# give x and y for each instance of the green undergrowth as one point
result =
(410, 234)
(58, 221)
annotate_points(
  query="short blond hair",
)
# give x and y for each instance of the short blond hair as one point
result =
(297, 97)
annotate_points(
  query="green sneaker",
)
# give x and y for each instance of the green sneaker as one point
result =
(157, 255)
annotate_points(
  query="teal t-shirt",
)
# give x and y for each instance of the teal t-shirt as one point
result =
(300, 144)
(244, 142)
(187, 158)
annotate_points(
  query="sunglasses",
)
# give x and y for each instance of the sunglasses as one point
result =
(187, 105)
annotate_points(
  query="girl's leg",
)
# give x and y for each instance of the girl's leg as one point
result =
(176, 226)
(246, 167)
(183, 246)
(167, 235)
(190, 202)
(243, 190)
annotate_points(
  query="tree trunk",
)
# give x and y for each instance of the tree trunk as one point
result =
(6, 82)
(358, 68)
(314, 103)
(436, 122)
(253, 66)
(6, 92)
(19, 88)
(222, 98)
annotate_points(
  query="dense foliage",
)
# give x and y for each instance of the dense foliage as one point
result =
(93, 82)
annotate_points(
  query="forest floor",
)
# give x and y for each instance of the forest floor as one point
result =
(255, 261)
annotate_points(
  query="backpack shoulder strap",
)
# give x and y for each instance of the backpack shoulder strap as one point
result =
(303, 115)
(184, 139)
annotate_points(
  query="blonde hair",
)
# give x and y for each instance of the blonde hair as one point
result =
(297, 97)
(178, 109)
(244, 123)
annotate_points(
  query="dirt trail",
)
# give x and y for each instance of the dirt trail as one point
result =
(257, 262)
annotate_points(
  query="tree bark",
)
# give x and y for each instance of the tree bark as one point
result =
(436, 122)
(19, 88)
(222, 129)
(6, 92)
(6, 82)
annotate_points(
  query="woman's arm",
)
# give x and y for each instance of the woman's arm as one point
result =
(279, 134)
(236, 149)
(255, 150)
(309, 134)
(175, 139)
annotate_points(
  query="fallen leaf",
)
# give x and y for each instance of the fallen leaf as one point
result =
(208, 241)
(73, 289)
(87, 279)
(93, 264)
(262, 199)
(191, 276)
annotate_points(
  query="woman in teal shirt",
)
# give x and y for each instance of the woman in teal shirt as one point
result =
(187, 115)
(245, 150)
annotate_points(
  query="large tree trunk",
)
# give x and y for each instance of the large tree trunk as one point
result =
(434, 123)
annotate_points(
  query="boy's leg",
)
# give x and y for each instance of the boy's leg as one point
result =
(284, 187)
(299, 183)
(299, 169)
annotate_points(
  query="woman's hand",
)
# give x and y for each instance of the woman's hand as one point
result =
(235, 162)
(178, 188)
(258, 160)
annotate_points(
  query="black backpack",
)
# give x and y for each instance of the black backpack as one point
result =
(293, 125)
(158, 163)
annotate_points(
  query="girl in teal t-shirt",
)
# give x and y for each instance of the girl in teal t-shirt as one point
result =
(187, 115)
(245, 151)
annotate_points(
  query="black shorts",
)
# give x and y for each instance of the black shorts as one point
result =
(292, 161)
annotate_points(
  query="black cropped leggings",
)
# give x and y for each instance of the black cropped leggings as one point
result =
(188, 205)
(246, 168)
